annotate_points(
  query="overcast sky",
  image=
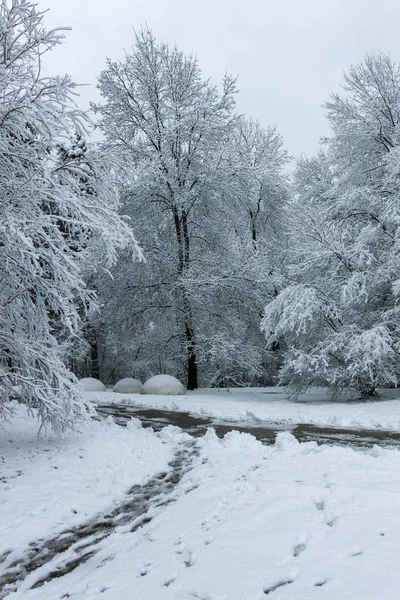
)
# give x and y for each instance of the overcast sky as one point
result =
(289, 54)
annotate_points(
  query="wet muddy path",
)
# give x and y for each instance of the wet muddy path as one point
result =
(55, 557)
(197, 426)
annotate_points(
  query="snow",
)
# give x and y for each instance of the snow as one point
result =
(128, 385)
(163, 385)
(254, 406)
(297, 521)
(90, 384)
(49, 484)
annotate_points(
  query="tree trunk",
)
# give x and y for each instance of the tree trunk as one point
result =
(192, 382)
(183, 239)
(367, 391)
(94, 357)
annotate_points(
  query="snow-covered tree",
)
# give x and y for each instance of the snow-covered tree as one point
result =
(340, 314)
(58, 220)
(260, 184)
(161, 116)
(190, 195)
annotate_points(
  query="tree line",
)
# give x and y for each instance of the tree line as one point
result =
(179, 244)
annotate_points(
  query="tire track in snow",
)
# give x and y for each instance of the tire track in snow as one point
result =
(72, 547)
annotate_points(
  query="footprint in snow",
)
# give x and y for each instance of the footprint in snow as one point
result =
(319, 503)
(145, 569)
(331, 521)
(299, 548)
(280, 583)
(189, 560)
(170, 579)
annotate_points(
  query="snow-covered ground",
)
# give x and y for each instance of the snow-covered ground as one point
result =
(49, 484)
(295, 521)
(269, 405)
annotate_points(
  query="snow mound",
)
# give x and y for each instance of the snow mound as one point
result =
(90, 384)
(128, 385)
(285, 441)
(163, 385)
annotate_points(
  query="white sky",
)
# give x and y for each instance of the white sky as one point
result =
(289, 54)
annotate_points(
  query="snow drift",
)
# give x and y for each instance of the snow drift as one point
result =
(128, 385)
(163, 385)
(90, 384)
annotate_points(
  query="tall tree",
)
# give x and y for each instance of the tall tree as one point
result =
(187, 189)
(340, 314)
(161, 115)
(51, 229)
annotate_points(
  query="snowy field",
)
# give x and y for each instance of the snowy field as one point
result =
(251, 406)
(290, 521)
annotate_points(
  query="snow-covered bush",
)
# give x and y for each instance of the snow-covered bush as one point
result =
(128, 385)
(163, 385)
(58, 217)
(91, 384)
